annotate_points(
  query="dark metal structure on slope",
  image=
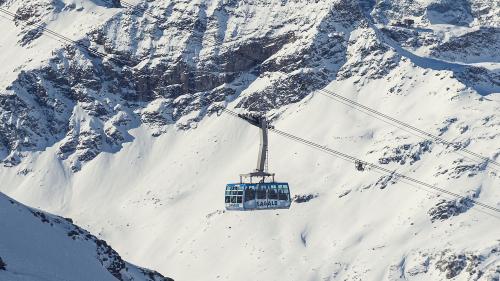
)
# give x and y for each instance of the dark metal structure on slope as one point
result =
(258, 190)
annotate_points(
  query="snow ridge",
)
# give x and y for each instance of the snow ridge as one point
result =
(54, 239)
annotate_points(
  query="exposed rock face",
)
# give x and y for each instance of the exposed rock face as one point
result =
(169, 64)
(384, 181)
(32, 14)
(410, 153)
(302, 198)
(460, 169)
(89, 103)
(463, 12)
(446, 209)
(452, 265)
(471, 47)
(473, 265)
(174, 63)
(410, 38)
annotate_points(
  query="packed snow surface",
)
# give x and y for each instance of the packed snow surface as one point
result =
(39, 246)
(159, 201)
(140, 155)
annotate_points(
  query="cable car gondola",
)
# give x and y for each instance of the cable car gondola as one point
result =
(265, 193)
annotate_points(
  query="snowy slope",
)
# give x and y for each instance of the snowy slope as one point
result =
(133, 198)
(22, 43)
(39, 246)
(139, 156)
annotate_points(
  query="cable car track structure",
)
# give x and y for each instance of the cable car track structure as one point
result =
(261, 195)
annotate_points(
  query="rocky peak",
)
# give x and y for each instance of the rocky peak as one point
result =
(174, 63)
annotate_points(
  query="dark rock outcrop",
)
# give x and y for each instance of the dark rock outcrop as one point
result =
(446, 209)
(402, 154)
(302, 198)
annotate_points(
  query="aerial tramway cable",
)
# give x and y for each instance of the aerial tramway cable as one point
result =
(353, 159)
(355, 105)
(406, 129)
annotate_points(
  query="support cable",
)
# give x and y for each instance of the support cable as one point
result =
(386, 171)
(406, 125)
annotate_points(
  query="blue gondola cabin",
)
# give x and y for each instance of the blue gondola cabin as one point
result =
(257, 196)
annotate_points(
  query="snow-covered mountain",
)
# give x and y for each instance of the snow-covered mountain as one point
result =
(129, 144)
(40, 246)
